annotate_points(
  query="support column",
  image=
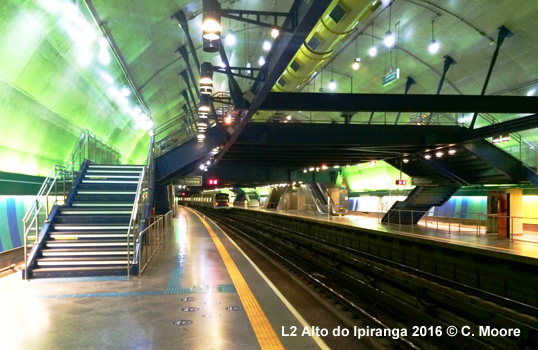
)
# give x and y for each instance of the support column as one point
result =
(503, 33)
(449, 61)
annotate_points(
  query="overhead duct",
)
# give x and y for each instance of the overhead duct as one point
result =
(331, 31)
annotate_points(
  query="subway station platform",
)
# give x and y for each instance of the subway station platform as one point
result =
(525, 246)
(200, 292)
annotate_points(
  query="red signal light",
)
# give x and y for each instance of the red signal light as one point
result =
(183, 193)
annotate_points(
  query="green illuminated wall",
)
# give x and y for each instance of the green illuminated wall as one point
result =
(366, 178)
(52, 87)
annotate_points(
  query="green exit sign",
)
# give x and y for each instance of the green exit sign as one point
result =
(391, 77)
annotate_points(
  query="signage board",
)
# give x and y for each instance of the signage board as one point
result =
(421, 181)
(188, 181)
(391, 77)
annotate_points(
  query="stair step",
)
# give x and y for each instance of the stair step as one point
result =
(114, 166)
(120, 219)
(101, 205)
(101, 171)
(95, 212)
(101, 185)
(84, 235)
(86, 192)
(66, 261)
(108, 182)
(75, 243)
(44, 272)
(62, 227)
(82, 252)
(106, 176)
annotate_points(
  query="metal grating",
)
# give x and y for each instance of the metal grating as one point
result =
(338, 13)
(295, 65)
(314, 43)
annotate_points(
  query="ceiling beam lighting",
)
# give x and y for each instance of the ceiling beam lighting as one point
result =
(211, 28)
(206, 78)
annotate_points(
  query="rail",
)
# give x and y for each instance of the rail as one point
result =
(58, 184)
(476, 223)
(141, 208)
(152, 237)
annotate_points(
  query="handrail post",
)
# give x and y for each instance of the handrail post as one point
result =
(25, 251)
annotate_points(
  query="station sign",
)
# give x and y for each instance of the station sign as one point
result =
(188, 181)
(391, 77)
(421, 181)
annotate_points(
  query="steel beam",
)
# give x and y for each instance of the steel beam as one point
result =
(514, 125)
(309, 101)
(285, 47)
(273, 134)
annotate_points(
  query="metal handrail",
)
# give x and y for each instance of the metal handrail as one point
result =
(65, 172)
(138, 214)
(455, 220)
(134, 218)
(162, 227)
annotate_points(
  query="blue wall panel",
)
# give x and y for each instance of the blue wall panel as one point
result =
(12, 209)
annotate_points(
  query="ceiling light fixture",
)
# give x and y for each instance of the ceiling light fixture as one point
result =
(531, 92)
(125, 91)
(275, 33)
(230, 39)
(405, 160)
(389, 38)
(206, 78)
(356, 64)
(203, 106)
(452, 151)
(211, 28)
(434, 45)
(332, 85)
(427, 156)
(439, 154)
(261, 61)
(373, 49)
(266, 46)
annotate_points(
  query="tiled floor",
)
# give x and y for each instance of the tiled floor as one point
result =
(186, 299)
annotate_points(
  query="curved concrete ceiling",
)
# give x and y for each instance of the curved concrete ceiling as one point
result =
(53, 84)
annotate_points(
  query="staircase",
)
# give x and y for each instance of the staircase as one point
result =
(88, 235)
(417, 203)
(319, 199)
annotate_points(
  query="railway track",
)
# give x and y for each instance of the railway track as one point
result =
(414, 308)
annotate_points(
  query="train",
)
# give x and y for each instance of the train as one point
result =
(207, 200)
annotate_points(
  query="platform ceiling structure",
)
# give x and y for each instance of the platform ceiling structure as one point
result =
(54, 82)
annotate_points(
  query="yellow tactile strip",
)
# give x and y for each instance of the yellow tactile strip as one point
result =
(265, 333)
